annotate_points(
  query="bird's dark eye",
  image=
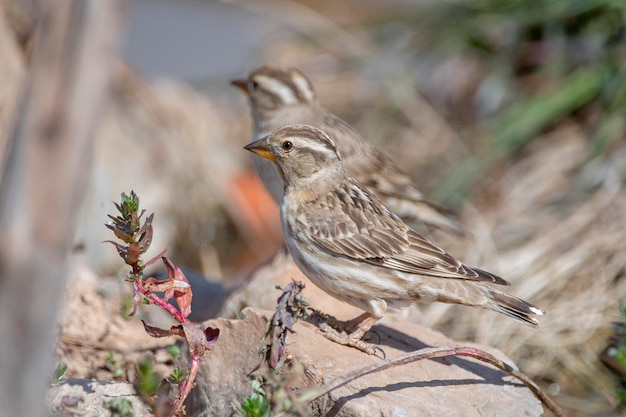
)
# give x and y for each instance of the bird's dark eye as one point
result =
(287, 145)
(255, 85)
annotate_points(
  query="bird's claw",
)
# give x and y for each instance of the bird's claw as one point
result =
(348, 340)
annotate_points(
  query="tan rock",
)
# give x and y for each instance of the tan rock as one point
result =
(222, 378)
(443, 387)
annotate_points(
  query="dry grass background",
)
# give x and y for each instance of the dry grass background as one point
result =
(545, 218)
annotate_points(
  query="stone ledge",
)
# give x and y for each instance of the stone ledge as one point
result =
(440, 387)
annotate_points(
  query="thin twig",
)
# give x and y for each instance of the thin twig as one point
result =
(428, 353)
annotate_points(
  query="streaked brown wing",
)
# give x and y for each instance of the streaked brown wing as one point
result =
(356, 224)
(424, 258)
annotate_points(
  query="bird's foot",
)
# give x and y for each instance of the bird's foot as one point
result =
(351, 339)
(347, 326)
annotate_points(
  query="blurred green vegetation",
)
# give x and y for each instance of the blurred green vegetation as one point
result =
(614, 356)
(553, 58)
(257, 404)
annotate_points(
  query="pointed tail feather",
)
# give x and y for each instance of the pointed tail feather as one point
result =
(514, 307)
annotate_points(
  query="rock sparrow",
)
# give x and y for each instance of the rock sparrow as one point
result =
(351, 245)
(280, 97)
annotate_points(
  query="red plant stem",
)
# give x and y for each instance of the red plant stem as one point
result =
(187, 385)
(160, 302)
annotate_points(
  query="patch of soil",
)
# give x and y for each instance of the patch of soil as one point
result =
(95, 339)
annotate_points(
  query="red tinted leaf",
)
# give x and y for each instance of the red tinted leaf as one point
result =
(121, 249)
(195, 338)
(211, 336)
(147, 223)
(171, 268)
(122, 235)
(134, 222)
(115, 222)
(156, 258)
(181, 295)
(146, 232)
(145, 240)
(119, 228)
(132, 256)
(183, 299)
(158, 332)
(171, 275)
(154, 285)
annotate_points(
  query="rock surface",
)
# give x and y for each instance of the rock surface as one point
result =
(91, 328)
(441, 387)
(222, 377)
(87, 398)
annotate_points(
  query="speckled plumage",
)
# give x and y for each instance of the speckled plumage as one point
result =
(283, 96)
(350, 244)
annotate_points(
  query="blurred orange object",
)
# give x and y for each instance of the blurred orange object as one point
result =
(257, 213)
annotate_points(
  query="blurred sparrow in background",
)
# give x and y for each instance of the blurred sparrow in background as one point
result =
(351, 245)
(279, 97)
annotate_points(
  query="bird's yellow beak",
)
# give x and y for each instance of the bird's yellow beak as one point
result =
(241, 84)
(262, 148)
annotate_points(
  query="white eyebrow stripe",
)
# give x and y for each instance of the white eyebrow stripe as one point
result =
(284, 92)
(322, 147)
(319, 147)
(303, 85)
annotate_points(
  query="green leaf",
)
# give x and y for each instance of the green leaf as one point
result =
(120, 407)
(177, 375)
(174, 351)
(111, 358)
(59, 372)
(147, 380)
(255, 406)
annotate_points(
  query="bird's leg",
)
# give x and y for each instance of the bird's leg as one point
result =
(347, 326)
(361, 325)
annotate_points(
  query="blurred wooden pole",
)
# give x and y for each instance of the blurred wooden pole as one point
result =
(44, 177)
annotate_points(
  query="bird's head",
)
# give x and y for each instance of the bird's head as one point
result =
(304, 154)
